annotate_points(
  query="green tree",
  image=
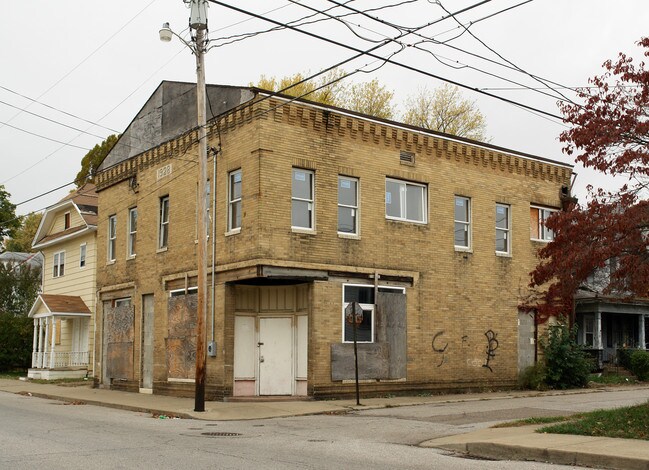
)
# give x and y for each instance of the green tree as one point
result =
(445, 110)
(93, 159)
(8, 220)
(19, 286)
(24, 236)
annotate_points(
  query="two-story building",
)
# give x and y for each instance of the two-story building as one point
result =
(313, 208)
(63, 313)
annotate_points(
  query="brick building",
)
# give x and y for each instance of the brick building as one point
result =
(315, 207)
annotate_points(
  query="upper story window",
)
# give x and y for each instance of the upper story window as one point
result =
(503, 243)
(302, 189)
(234, 200)
(112, 237)
(364, 295)
(66, 221)
(462, 221)
(82, 256)
(405, 201)
(347, 205)
(538, 216)
(132, 231)
(58, 268)
(163, 231)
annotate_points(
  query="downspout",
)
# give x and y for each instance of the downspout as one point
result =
(215, 153)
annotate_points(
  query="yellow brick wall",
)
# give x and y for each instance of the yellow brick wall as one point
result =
(460, 300)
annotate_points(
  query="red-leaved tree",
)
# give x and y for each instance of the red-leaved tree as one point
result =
(609, 132)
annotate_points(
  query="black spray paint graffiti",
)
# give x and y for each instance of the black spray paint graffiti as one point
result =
(492, 345)
(440, 346)
(439, 349)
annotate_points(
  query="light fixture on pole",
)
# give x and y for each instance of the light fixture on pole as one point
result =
(198, 24)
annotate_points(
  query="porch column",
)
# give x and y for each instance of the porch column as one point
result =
(34, 343)
(39, 364)
(53, 343)
(598, 330)
(46, 342)
(641, 337)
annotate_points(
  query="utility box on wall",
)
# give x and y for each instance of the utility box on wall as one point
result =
(211, 348)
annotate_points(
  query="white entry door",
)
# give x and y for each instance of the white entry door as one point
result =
(275, 356)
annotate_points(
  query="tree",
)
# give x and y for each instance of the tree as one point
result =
(19, 287)
(370, 98)
(24, 236)
(566, 363)
(93, 159)
(8, 220)
(445, 110)
(609, 132)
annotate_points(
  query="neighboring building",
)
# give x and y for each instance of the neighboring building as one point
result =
(315, 207)
(18, 259)
(608, 322)
(63, 313)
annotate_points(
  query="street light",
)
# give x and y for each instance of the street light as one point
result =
(198, 23)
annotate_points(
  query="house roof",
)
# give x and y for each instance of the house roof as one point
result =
(19, 258)
(60, 305)
(83, 201)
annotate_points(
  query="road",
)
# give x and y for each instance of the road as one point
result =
(37, 433)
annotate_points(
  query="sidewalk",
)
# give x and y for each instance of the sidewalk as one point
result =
(520, 443)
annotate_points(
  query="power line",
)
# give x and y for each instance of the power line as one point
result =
(52, 120)
(57, 109)
(42, 137)
(399, 64)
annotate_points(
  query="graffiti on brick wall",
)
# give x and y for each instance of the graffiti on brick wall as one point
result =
(492, 345)
(440, 345)
(438, 348)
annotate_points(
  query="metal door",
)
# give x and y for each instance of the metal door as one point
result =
(275, 356)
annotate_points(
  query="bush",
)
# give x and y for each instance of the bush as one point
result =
(566, 363)
(640, 364)
(533, 377)
(624, 358)
(16, 333)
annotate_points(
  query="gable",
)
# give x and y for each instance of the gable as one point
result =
(170, 112)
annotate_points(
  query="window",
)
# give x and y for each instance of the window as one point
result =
(123, 302)
(302, 199)
(112, 236)
(538, 216)
(132, 231)
(66, 220)
(364, 295)
(347, 205)
(178, 292)
(405, 201)
(82, 256)
(502, 229)
(58, 269)
(462, 222)
(234, 201)
(163, 233)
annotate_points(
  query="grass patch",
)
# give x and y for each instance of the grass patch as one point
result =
(538, 420)
(630, 422)
(79, 381)
(13, 374)
(612, 379)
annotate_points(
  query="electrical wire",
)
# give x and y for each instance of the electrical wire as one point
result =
(42, 137)
(399, 64)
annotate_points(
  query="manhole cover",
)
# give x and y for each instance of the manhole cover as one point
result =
(221, 434)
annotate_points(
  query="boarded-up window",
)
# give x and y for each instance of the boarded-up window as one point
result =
(118, 326)
(181, 337)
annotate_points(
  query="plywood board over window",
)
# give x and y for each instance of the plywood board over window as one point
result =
(181, 337)
(118, 324)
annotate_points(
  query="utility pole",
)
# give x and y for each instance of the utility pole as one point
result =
(198, 21)
(198, 45)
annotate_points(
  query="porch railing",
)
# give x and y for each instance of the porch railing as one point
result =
(60, 359)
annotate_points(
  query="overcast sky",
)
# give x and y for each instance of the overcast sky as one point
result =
(92, 65)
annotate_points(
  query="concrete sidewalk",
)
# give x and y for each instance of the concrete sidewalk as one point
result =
(520, 443)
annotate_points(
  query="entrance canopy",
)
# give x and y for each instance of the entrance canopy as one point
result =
(52, 305)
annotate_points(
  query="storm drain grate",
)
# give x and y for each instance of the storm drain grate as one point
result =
(221, 434)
